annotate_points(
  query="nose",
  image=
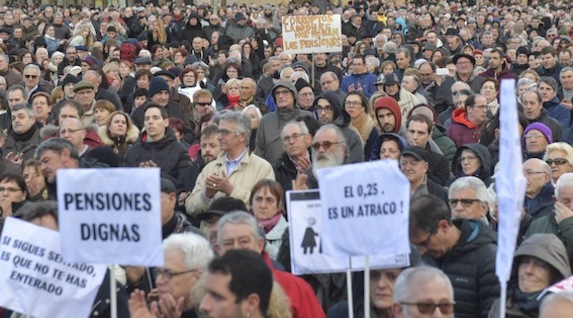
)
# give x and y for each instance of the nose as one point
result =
(205, 305)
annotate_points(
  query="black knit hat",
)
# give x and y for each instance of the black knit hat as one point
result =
(301, 83)
(69, 79)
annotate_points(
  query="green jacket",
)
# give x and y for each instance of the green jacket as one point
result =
(547, 224)
(445, 144)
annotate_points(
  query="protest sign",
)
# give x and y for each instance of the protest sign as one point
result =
(312, 34)
(509, 181)
(37, 280)
(365, 209)
(306, 241)
(565, 285)
(111, 216)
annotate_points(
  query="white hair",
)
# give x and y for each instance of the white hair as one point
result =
(196, 250)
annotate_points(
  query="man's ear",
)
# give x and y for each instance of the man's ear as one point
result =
(251, 304)
(261, 244)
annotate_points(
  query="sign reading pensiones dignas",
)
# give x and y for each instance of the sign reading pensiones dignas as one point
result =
(306, 235)
(111, 216)
(365, 209)
(35, 278)
(312, 34)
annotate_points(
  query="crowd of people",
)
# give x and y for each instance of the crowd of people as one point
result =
(210, 96)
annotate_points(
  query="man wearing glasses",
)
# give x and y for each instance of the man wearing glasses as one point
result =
(269, 144)
(235, 171)
(468, 122)
(463, 249)
(464, 72)
(71, 58)
(539, 189)
(421, 292)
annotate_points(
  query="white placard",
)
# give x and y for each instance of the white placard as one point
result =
(509, 182)
(305, 236)
(111, 216)
(312, 34)
(36, 280)
(365, 209)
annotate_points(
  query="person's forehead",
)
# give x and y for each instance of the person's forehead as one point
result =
(326, 135)
(152, 111)
(229, 231)
(418, 125)
(291, 129)
(20, 112)
(464, 192)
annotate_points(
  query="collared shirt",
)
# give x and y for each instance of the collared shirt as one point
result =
(233, 164)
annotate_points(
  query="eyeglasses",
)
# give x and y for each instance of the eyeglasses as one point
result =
(468, 159)
(226, 132)
(203, 104)
(353, 104)
(326, 145)
(293, 137)
(168, 274)
(70, 131)
(557, 161)
(534, 136)
(530, 173)
(428, 308)
(323, 109)
(30, 76)
(10, 189)
(466, 203)
(425, 243)
(281, 92)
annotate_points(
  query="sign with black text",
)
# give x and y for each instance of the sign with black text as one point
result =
(365, 209)
(306, 230)
(312, 33)
(36, 280)
(111, 216)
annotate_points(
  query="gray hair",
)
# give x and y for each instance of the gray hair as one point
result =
(339, 134)
(373, 60)
(460, 83)
(405, 282)
(566, 180)
(16, 88)
(300, 124)
(529, 81)
(56, 145)
(390, 47)
(201, 65)
(35, 67)
(196, 250)
(551, 299)
(236, 218)
(241, 121)
(252, 106)
(565, 69)
(470, 182)
(5, 58)
(26, 107)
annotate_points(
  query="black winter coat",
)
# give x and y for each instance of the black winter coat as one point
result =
(470, 265)
(484, 172)
(285, 171)
(169, 154)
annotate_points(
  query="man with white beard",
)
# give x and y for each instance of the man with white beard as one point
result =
(329, 149)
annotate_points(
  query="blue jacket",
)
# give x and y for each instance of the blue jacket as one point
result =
(366, 80)
(542, 204)
(558, 111)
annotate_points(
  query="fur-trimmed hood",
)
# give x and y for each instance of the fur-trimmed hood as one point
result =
(131, 138)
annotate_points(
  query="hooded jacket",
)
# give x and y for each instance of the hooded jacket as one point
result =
(483, 172)
(548, 224)
(268, 142)
(546, 247)
(558, 111)
(446, 145)
(169, 154)
(470, 265)
(387, 102)
(342, 119)
(462, 131)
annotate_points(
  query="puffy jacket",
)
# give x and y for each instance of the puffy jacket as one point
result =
(548, 224)
(484, 172)
(558, 111)
(365, 80)
(25, 144)
(462, 131)
(470, 265)
(169, 154)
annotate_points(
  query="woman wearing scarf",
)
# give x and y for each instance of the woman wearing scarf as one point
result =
(539, 262)
(357, 106)
(267, 204)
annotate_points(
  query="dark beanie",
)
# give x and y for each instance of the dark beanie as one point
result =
(522, 50)
(157, 84)
(69, 79)
(301, 83)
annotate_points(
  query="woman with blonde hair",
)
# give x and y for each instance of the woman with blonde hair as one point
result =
(559, 156)
(83, 36)
(157, 34)
(119, 133)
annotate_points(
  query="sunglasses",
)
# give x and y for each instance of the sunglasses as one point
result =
(326, 145)
(466, 203)
(557, 161)
(31, 76)
(429, 308)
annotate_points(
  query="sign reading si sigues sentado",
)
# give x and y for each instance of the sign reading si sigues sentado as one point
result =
(312, 34)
